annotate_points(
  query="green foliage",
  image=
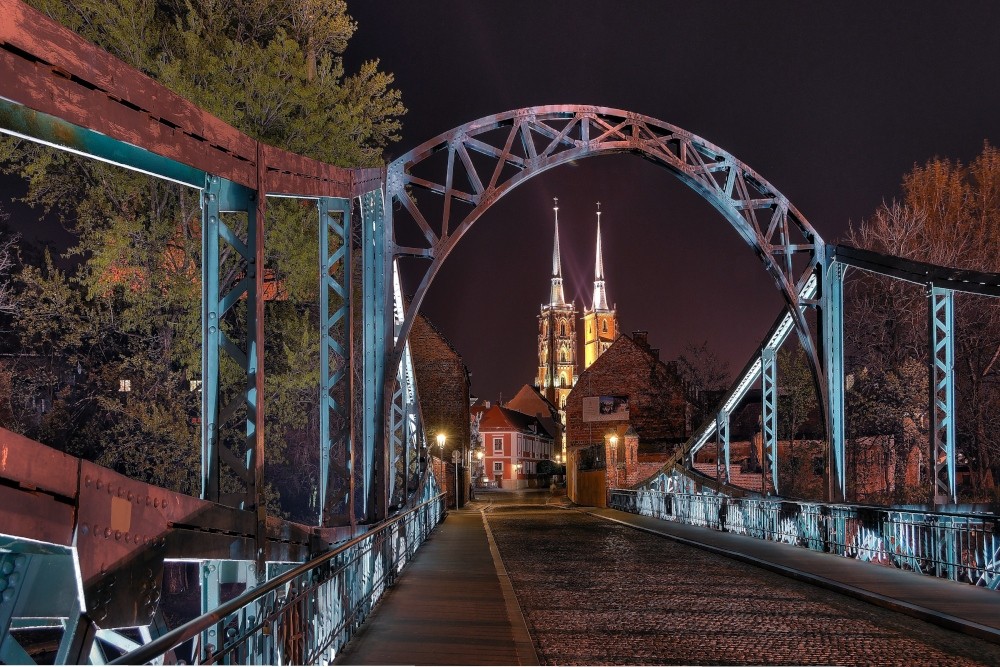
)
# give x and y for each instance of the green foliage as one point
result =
(125, 302)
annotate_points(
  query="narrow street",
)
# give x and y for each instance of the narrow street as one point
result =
(597, 592)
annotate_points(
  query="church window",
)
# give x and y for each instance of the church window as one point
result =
(562, 380)
(562, 328)
(562, 354)
(604, 326)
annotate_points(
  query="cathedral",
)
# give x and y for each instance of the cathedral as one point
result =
(557, 342)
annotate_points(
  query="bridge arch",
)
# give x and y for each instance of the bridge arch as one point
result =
(489, 157)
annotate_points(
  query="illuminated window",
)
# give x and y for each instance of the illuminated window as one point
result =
(497, 444)
(498, 466)
(124, 385)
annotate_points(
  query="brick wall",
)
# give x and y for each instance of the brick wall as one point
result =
(443, 387)
(656, 397)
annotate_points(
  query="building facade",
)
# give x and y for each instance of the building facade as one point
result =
(556, 335)
(514, 444)
(600, 323)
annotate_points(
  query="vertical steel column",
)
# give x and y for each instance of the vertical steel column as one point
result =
(832, 325)
(334, 356)
(941, 322)
(210, 336)
(222, 196)
(376, 311)
(722, 429)
(769, 414)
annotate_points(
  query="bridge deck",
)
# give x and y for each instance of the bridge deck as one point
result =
(453, 605)
(961, 607)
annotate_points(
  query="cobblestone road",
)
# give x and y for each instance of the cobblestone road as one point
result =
(597, 592)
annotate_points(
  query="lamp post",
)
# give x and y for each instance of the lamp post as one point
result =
(440, 442)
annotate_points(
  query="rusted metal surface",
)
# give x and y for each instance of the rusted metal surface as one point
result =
(122, 529)
(50, 70)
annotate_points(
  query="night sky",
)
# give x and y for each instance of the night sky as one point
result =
(831, 104)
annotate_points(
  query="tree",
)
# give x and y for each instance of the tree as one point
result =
(705, 377)
(129, 308)
(949, 214)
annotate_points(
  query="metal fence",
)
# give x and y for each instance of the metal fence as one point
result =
(307, 614)
(960, 547)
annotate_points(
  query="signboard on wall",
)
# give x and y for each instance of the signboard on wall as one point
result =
(605, 408)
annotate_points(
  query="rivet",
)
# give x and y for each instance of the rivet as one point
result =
(14, 579)
(8, 595)
(111, 490)
(107, 533)
(87, 481)
(99, 485)
(118, 535)
(156, 502)
(84, 529)
(130, 496)
(127, 537)
(147, 501)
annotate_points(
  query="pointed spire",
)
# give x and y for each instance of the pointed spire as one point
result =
(600, 296)
(556, 296)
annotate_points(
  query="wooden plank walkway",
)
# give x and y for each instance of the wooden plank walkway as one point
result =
(453, 605)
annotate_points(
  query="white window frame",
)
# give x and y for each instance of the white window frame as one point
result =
(497, 467)
(497, 444)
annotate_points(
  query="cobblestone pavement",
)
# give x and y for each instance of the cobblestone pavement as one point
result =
(597, 592)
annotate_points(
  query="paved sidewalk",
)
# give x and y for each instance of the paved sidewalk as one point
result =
(453, 605)
(961, 607)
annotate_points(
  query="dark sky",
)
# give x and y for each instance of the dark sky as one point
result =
(832, 103)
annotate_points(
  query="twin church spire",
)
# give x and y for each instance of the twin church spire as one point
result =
(557, 342)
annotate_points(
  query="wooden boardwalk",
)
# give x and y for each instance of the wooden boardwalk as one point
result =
(453, 605)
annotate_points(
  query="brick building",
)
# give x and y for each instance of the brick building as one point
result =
(515, 443)
(530, 401)
(626, 391)
(443, 386)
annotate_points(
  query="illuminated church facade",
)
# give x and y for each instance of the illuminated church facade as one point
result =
(557, 320)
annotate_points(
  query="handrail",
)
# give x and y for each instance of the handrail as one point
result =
(192, 628)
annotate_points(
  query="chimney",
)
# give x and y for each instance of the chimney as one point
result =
(655, 351)
(641, 339)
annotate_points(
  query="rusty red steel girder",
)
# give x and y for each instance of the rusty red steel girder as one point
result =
(51, 70)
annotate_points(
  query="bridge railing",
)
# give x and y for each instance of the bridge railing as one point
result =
(307, 614)
(958, 546)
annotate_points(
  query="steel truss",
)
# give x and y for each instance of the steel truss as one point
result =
(485, 159)
(941, 323)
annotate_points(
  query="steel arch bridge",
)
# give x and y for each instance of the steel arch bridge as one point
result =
(83, 548)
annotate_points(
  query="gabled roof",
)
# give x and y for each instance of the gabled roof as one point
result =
(499, 417)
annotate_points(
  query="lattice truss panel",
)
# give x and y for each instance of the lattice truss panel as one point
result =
(335, 340)
(472, 166)
(232, 333)
(438, 190)
(406, 433)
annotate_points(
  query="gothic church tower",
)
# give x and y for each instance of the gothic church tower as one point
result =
(556, 336)
(600, 324)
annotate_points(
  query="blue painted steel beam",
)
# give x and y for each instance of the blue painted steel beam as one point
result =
(832, 326)
(376, 314)
(769, 414)
(722, 429)
(335, 345)
(221, 196)
(941, 321)
(20, 121)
